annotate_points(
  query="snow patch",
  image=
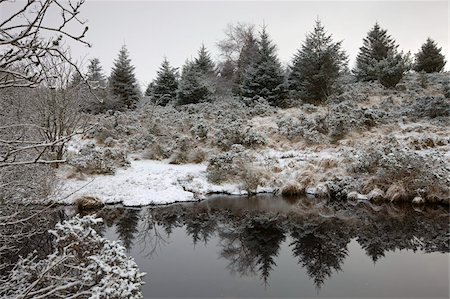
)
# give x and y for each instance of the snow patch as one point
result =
(148, 182)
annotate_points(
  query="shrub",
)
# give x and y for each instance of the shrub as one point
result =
(391, 70)
(95, 160)
(401, 169)
(82, 263)
(226, 166)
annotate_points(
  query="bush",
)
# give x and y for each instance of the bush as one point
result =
(310, 129)
(394, 168)
(82, 263)
(225, 166)
(391, 70)
(428, 106)
(95, 160)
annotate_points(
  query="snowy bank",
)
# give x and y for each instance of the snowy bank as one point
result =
(147, 182)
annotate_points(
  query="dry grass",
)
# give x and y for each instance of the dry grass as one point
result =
(396, 192)
(292, 189)
(154, 152)
(87, 203)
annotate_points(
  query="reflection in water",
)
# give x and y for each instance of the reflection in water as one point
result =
(250, 233)
(320, 246)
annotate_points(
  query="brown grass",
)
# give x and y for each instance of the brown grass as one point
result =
(396, 192)
(87, 203)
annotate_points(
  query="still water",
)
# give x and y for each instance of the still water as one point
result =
(273, 247)
(269, 246)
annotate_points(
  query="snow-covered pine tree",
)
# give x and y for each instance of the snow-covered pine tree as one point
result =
(193, 87)
(317, 66)
(429, 59)
(247, 55)
(204, 63)
(376, 47)
(76, 79)
(391, 69)
(149, 89)
(95, 76)
(122, 80)
(166, 84)
(265, 77)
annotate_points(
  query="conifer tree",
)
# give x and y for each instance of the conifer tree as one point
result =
(122, 80)
(317, 66)
(149, 90)
(192, 88)
(247, 55)
(203, 62)
(376, 47)
(265, 77)
(429, 59)
(391, 69)
(166, 84)
(76, 80)
(95, 76)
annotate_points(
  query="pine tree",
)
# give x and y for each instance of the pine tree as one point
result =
(76, 80)
(204, 63)
(95, 76)
(165, 84)
(193, 87)
(248, 54)
(391, 69)
(149, 90)
(265, 77)
(317, 66)
(122, 80)
(376, 47)
(429, 59)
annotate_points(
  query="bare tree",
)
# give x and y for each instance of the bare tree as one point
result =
(236, 37)
(28, 37)
(35, 123)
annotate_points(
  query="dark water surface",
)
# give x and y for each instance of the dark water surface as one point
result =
(273, 247)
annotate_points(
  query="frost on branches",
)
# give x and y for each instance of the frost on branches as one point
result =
(83, 265)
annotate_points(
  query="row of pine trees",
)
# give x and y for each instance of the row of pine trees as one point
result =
(313, 75)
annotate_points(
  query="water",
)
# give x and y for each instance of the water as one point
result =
(274, 247)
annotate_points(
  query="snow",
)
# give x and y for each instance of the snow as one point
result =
(148, 182)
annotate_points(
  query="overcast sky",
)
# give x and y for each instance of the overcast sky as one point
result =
(152, 29)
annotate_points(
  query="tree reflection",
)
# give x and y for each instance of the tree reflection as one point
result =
(321, 248)
(251, 244)
(250, 241)
(126, 226)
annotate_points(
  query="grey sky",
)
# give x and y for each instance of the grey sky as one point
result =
(153, 29)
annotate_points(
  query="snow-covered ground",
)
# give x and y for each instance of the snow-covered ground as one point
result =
(147, 182)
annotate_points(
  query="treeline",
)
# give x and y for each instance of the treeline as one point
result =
(250, 69)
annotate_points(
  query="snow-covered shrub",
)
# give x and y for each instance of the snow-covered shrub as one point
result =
(390, 165)
(346, 116)
(261, 107)
(310, 129)
(391, 70)
(96, 160)
(200, 130)
(228, 134)
(309, 108)
(253, 138)
(225, 165)
(156, 151)
(186, 152)
(83, 263)
(428, 106)
(446, 89)
(141, 141)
